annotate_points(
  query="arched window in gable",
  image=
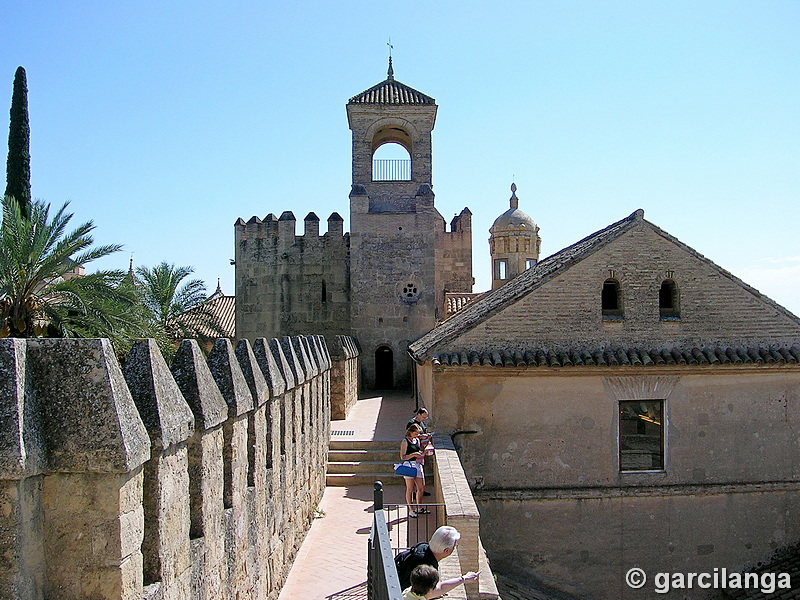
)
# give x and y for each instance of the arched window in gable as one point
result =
(611, 300)
(669, 300)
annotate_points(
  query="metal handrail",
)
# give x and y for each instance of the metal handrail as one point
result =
(391, 169)
(404, 531)
(382, 580)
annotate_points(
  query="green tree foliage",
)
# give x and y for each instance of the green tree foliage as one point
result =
(169, 295)
(18, 167)
(165, 292)
(40, 296)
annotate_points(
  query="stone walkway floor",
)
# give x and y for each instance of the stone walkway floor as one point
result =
(332, 562)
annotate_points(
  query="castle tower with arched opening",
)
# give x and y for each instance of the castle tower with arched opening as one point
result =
(385, 281)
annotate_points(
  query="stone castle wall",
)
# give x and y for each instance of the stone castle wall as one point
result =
(288, 284)
(454, 259)
(142, 481)
(353, 284)
(344, 376)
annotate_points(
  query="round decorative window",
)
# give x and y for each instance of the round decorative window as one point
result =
(409, 291)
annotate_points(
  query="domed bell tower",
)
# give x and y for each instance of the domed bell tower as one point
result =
(514, 243)
(393, 229)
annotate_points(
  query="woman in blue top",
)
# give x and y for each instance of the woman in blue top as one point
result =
(411, 452)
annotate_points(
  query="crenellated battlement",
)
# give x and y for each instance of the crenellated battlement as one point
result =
(289, 283)
(284, 228)
(197, 480)
(462, 222)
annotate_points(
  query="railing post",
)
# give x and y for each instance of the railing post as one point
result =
(382, 580)
(391, 169)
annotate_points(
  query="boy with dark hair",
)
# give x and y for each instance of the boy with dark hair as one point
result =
(424, 580)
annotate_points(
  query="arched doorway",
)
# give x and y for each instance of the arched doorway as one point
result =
(384, 368)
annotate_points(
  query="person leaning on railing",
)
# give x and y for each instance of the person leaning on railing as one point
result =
(426, 441)
(442, 544)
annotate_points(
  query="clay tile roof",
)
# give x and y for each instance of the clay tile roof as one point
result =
(455, 301)
(391, 91)
(223, 309)
(632, 357)
(493, 302)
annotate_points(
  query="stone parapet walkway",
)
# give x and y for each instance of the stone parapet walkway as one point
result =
(332, 562)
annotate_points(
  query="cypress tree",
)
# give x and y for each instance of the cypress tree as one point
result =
(18, 167)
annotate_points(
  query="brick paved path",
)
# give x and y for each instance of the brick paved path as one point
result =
(332, 562)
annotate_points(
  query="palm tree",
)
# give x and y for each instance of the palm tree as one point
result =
(168, 296)
(40, 294)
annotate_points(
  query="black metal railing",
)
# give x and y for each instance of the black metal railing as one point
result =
(405, 531)
(391, 169)
(382, 580)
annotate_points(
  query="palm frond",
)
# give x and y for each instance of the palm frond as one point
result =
(36, 254)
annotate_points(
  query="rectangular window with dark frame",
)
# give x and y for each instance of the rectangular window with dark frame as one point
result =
(641, 435)
(501, 269)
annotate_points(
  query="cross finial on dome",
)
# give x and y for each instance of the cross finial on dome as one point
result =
(390, 73)
(514, 200)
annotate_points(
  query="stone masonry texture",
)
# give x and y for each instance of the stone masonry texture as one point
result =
(149, 482)
(540, 443)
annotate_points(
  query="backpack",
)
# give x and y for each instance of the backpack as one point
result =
(405, 563)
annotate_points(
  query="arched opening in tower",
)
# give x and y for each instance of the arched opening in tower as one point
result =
(391, 161)
(384, 368)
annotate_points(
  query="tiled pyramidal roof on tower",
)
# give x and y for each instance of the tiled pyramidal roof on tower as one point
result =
(391, 92)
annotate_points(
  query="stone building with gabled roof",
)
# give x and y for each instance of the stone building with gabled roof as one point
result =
(622, 403)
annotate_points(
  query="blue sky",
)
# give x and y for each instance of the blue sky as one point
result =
(165, 121)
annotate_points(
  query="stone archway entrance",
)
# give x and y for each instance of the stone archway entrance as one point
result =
(384, 368)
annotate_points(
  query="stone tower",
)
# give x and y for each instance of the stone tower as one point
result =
(289, 284)
(514, 243)
(402, 259)
(385, 281)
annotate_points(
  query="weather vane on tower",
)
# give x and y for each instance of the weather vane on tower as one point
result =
(390, 73)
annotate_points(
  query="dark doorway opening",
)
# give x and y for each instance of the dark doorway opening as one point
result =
(384, 368)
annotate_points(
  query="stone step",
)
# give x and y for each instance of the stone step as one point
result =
(363, 455)
(373, 466)
(383, 467)
(345, 444)
(336, 468)
(349, 479)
